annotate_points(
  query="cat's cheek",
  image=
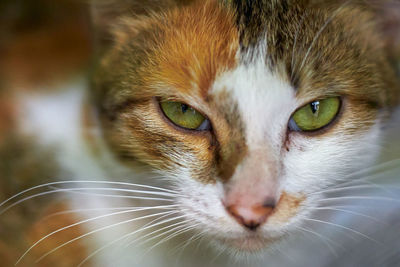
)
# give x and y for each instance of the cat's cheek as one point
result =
(327, 162)
(316, 163)
(141, 134)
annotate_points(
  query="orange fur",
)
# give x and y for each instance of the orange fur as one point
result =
(287, 207)
(198, 43)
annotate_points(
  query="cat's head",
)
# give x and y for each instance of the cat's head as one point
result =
(248, 108)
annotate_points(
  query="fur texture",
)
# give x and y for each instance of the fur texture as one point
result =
(247, 66)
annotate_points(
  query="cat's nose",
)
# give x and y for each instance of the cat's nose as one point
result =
(252, 216)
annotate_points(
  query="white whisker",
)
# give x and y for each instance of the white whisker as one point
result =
(222, 250)
(153, 232)
(356, 206)
(116, 190)
(360, 197)
(78, 191)
(82, 182)
(145, 226)
(98, 230)
(325, 240)
(175, 227)
(178, 226)
(125, 236)
(345, 228)
(73, 191)
(181, 247)
(353, 187)
(387, 166)
(102, 209)
(186, 229)
(82, 222)
(350, 212)
(82, 193)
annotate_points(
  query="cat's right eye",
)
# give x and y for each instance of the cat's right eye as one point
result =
(185, 116)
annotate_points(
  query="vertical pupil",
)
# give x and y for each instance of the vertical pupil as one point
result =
(184, 108)
(314, 107)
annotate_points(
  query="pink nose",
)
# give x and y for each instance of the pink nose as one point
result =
(253, 216)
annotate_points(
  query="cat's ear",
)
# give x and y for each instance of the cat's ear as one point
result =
(107, 13)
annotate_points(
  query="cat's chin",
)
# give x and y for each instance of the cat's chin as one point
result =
(250, 244)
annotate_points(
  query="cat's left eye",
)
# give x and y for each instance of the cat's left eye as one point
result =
(315, 115)
(185, 116)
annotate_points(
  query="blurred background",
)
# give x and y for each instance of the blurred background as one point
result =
(44, 44)
(45, 47)
(42, 41)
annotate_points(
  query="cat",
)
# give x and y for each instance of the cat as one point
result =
(225, 121)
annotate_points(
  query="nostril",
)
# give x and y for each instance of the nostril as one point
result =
(250, 217)
(269, 203)
(242, 217)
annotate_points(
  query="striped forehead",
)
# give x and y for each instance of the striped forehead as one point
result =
(263, 97)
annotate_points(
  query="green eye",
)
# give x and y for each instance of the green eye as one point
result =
(184, 116)
(315, 115)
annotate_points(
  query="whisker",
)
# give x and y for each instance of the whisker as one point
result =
(388, 166)
(353, 205)
(352, 187)
(186, 229)
(345, 228)
(151, 233)
(147, 224)
(200, 242)
(79, 192)
(81, 182)
(73, 191)
(83, 193)
(175, 227)
(327, 241)
(360, 197)
(387, 188)
(82, 222)
(179, 249)
(125, 236)
(184, 244)
(100, 229)
(101, 209)
(218, 255)
(117, 190)
(350, 212)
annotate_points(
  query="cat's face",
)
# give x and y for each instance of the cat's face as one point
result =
(248, 171)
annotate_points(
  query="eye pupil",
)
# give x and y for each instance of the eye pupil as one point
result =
(315, 107)
(184, 108)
